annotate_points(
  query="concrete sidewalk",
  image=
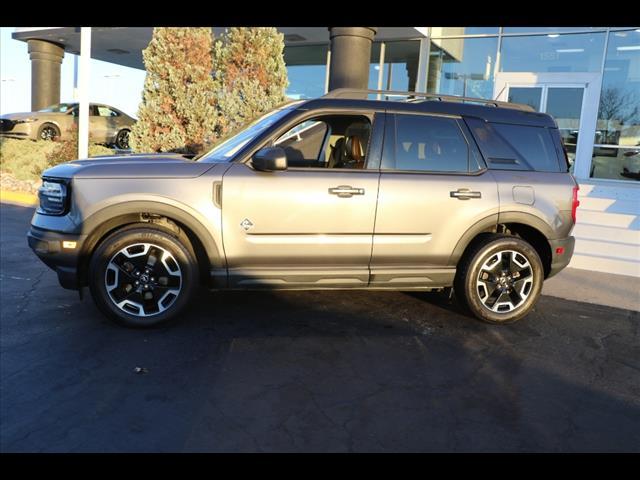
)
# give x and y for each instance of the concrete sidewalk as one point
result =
(620, 291)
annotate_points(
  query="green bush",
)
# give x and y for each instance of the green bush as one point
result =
(26, 159)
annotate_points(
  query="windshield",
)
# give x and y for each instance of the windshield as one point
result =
(59, 108)
(228, 147)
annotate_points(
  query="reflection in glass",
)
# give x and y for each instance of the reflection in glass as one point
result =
(616, 163)
(619, 109)
(526, 95)
(306, 69)
(400, 69)
(455, 31)
(462, 66)
(547, 29)
(561, 53)
(565, 105)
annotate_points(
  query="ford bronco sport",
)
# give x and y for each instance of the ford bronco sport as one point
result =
(339, 192)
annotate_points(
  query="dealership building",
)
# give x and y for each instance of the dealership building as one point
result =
(588, 78)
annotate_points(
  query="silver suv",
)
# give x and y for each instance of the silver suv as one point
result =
(340, 192)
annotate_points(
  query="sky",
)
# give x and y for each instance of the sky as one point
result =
(112, 84)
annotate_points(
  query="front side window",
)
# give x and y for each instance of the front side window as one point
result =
(329, 141)
(58, 108)
(427, 143)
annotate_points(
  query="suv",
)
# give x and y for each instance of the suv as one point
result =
(339, 192)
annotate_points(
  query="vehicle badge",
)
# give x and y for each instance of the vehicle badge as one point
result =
(246, 224)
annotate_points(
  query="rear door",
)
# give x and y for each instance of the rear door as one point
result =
(433, 188)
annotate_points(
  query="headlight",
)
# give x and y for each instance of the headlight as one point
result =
(53, 197)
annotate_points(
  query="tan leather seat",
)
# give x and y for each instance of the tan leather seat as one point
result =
(355, 151)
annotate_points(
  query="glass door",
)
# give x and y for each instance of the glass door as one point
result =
(563, 102)
(571, 98)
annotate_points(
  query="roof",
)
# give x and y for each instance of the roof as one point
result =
(488, 110)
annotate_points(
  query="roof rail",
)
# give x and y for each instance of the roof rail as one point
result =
(356, 93)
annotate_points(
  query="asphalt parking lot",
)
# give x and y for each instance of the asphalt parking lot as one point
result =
(308, 371)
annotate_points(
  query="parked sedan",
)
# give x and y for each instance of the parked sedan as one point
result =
(107, 124)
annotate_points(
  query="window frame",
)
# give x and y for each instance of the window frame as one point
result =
(323, 144)
(378, 119)
(391, 141)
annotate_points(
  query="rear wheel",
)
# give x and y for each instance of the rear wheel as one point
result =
(142, 277)
(122, 140)
(500, 279)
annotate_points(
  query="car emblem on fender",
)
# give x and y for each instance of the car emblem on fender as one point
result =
(246, 224)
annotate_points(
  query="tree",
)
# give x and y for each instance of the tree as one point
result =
(249, 73)
(178, 109)
(617, 108)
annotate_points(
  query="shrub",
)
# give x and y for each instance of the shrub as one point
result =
(27, 159)
(178, 106)
(250, 74)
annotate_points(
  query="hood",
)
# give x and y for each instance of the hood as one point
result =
(160, 165)
(23, 115)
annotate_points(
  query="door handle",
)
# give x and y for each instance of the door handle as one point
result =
(465, 194)
(345, 191)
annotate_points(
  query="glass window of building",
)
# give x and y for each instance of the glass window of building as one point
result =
(548, 29)
(616, 154)
(462, 66)
(306, 69)
(457, 31)
(553, 53)
(400, 68)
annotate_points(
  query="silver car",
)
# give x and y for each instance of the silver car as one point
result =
(107, 125)
(338, 192)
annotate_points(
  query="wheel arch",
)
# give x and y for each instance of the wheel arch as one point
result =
(524, 225)
(166, 217)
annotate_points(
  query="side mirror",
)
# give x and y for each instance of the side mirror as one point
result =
(270, 159)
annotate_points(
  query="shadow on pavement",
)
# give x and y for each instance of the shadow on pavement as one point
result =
(309, 371)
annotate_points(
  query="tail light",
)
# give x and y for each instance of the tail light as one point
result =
(574, 203)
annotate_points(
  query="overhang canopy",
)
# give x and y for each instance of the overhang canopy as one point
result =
(124, 45)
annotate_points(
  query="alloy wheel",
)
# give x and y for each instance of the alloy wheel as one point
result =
(143, 279)
(504, 281)
(48, 133)
(122, 141)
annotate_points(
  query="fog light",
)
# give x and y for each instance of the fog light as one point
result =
(559, 250)
(67, 244)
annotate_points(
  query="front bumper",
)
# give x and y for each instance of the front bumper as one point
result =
(56, 251)
(561, 260)
(21, 130)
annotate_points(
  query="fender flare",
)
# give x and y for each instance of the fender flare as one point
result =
(487, 223)
(99, 223)
(491, 222)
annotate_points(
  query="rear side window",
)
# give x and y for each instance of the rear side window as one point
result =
(534, 144)
(516, 147)
(432, 144)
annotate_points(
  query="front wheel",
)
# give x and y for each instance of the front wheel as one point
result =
(142, 277)
(500, 279)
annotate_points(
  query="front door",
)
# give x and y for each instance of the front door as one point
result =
(571, 98)
(310, 225)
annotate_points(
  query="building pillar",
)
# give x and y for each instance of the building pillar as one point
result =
(46, 60)
(350, 57)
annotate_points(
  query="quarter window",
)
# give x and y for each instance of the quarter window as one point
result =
(427, 143)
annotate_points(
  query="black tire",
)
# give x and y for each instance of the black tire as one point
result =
(515, 293)
(160, 241)
(122, 139)
(48, 131)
